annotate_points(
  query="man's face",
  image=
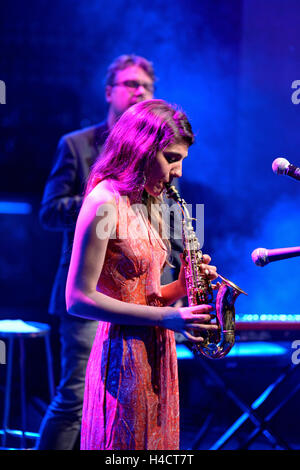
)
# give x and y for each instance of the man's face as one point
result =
(120, 96)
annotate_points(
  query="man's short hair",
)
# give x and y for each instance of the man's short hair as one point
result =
(128, 60)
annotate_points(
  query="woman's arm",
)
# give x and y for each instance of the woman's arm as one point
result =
(177, 289)
(95, 223)
(172, 292)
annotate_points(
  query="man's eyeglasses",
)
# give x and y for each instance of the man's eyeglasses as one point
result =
(134, 84)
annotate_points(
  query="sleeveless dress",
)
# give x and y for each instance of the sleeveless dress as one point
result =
(131, 399)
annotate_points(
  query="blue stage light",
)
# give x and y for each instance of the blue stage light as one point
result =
(254, 348)
(11, 207)
(276, 317)
(183, 352)
(257, 348)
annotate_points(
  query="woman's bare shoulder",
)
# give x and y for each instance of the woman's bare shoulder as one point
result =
(103, 192)
(101, 196)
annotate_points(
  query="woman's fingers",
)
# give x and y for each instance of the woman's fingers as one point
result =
(199, 318)
(196, 319)
(209, 271)
(199, 326)
(205, 267)
(198, 309)
(197, 313)
(190, 337)
(216, 286)
(206, 259)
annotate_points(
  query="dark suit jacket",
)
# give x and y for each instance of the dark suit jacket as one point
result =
(63, 196)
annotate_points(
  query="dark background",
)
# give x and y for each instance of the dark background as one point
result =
(229, 64)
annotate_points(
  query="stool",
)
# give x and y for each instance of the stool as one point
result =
(18, 329)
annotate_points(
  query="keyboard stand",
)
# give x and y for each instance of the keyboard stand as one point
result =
(249, 412)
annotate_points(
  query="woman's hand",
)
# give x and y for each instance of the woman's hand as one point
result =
(205, 268)
(194, 318)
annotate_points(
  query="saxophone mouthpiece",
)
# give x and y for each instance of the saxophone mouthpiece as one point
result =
(172, 192)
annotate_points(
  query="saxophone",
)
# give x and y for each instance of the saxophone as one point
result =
(219, 342)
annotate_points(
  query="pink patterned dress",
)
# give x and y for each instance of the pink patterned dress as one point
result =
(131, 399)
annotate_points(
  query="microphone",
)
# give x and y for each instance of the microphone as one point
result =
(281, 166)
(262, 256)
